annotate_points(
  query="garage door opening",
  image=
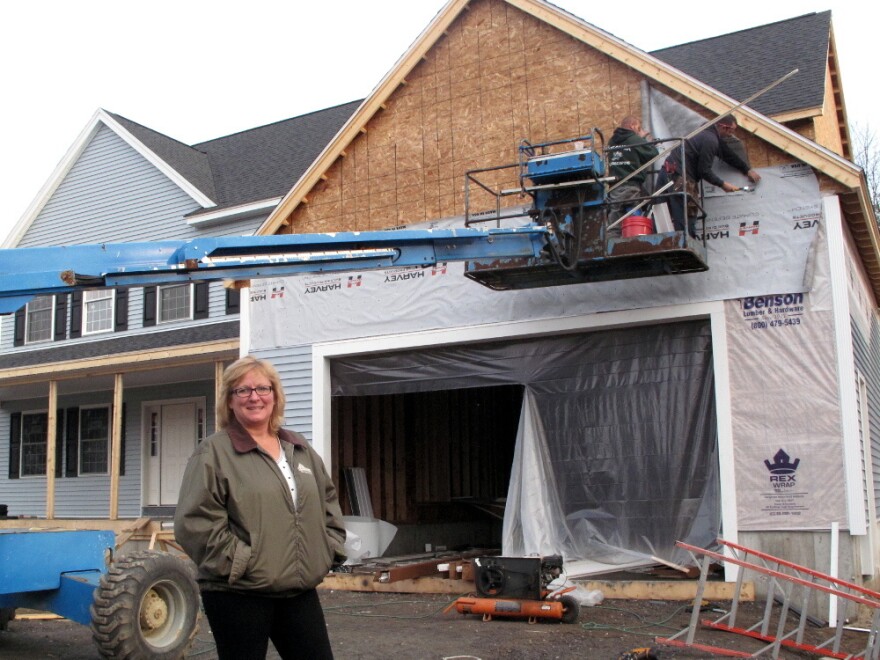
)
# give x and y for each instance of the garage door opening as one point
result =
(437, 463)
(615, 452)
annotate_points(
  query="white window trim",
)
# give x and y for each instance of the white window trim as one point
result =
(85, 315)
(79, 443)
(192, 297)
(27, 322)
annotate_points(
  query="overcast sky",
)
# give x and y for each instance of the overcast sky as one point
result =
(200, 69)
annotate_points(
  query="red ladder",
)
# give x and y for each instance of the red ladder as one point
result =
(785, 580)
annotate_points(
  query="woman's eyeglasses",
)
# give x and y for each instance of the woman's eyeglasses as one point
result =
(245, 392)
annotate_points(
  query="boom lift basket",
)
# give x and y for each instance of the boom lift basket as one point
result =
(567, 183)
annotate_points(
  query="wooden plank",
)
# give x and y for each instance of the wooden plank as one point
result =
(51, 458)
(388, 510)
(373, 459)
(219, 368)
(679, 590)
(667, 589)
(115, 446)
(130, 531)
(146, 360)
(408, 571)
(425, 585)
(688, 571)
(404, 469)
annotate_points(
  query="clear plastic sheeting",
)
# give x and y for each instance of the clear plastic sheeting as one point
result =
(616, 454)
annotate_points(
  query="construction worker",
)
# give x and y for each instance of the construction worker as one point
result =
(628, 150)
(700, 152)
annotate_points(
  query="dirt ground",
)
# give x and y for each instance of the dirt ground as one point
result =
(367, 626)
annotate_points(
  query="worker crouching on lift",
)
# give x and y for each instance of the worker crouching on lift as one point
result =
(700, 152)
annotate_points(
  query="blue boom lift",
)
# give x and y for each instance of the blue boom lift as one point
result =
(145, 604)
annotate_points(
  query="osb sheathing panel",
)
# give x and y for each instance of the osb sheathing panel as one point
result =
(827, 126)
(499, 76)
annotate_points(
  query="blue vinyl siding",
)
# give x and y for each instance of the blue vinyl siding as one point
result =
(112, 193)
(294, 365)
(867, 358)
(88, 496)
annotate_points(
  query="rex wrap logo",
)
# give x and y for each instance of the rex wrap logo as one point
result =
(782, 470)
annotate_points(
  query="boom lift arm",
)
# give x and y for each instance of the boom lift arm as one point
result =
(29, 272)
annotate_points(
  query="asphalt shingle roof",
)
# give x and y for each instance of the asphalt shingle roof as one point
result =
(742, 63)
(257, 164)
(263, 163)
(66, 351)
(191, 163)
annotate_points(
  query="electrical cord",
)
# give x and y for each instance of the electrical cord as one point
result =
(340, 609)
(638, 629)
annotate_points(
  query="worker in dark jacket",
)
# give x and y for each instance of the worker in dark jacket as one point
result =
(700, 152)
(628, 150)
(259, 516)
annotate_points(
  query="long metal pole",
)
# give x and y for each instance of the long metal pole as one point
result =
(704, 126)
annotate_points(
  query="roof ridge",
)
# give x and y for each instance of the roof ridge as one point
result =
(743, 30)
(275, 123)
(126, 120)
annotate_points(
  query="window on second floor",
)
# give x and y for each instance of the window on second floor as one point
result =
(38, 319)
(175, 303)
(97, 311)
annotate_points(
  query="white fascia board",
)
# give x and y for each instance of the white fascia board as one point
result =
(244, 322)
(724, 425)
(232, 213)
(183, 183)
(54, 180)
(846, 380)
(73, 153)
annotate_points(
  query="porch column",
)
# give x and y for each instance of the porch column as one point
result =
(115, 446)
(218, 378)
(51, 437)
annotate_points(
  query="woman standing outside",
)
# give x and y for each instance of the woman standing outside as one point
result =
(259, 516)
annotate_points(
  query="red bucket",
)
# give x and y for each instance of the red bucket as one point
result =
(637, 225)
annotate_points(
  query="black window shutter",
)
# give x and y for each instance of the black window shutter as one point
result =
(60, 317)
(233, 301)
(59, 442)
(149, 306)
(18, 338)
(14, 445)
(71, 443)
(121, 315)
(200, 303)
(76, 314)
(122, 445)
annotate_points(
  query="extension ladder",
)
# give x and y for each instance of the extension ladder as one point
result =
(785, 580)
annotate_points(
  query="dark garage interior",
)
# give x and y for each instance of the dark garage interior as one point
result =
(437, 463)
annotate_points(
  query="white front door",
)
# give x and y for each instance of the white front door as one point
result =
(172, 431)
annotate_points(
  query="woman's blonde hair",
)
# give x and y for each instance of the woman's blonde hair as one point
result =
(238, 370)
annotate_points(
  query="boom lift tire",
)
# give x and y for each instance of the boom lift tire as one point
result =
(146, 607)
